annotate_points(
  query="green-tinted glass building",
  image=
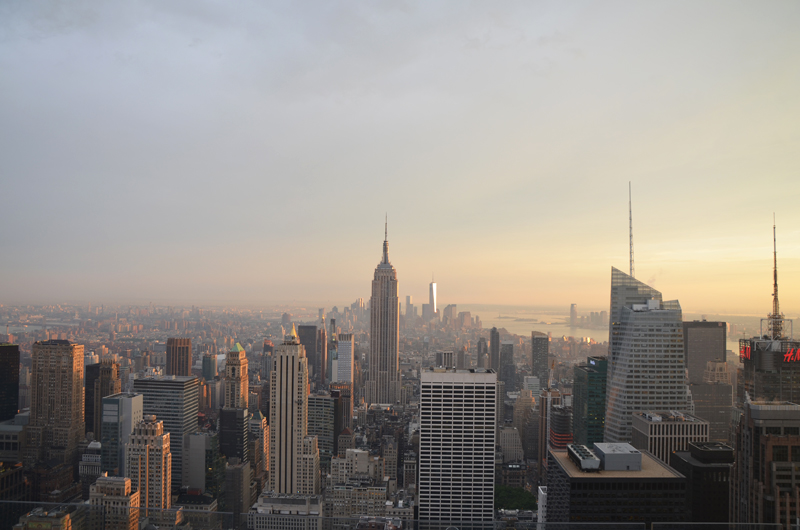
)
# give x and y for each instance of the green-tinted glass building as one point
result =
(589, 401)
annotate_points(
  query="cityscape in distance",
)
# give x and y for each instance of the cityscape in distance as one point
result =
(399, 266)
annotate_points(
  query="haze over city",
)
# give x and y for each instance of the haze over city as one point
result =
(187, 152)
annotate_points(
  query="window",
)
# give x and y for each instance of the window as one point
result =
(780, 453)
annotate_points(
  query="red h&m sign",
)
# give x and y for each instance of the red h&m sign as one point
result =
(792, 355)
(744, 352)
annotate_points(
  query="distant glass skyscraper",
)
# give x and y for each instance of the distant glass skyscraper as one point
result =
(9, 381)
(589, 401)
(540, 351)
(647, 366)
(494, 350)
(384, 384)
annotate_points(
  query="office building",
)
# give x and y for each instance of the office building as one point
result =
(280, 511)
(662, 433)
(346, 353)
(259, 448)
(210, 366)
(390, 453)
(560, 433)
(89, 468)
(763, 479)
(434, 309)
(589, 401)
(573, 315)
(321, 367)
(646, 368)
(91, 373)
(482, 353)
(342, 394)
(307, 335)
(540, 351)
(237, 488)
(548, 399)
(148, 463)
(179, 357)
(9, 381)
(106, 383)
(457, 441)
(236, 381)
(309, 467)
(205, 469)
(713, 401)
(613, 483)
(508, 370)
(704, 342)
(383, 385)
(234, 433)
(56, 424)
(511, 444)
(175, 401)
(707, 467)
(121, 413)
(114, 504)
(321, 413)
(288, 414)
(494, 351)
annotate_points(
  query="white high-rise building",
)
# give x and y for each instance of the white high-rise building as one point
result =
(148, 463)
(288, 415)
(458, 411)
(647, 369)
(383, 385)
(345, 365)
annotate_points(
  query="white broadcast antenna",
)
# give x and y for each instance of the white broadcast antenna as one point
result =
(630, 224)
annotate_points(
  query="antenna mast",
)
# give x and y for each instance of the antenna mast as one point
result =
(630, 224)
(775, 319)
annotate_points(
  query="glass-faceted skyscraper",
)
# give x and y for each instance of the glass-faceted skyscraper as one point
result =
(589, 401)
(647, 365)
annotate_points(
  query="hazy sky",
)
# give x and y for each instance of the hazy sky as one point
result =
(195, 151)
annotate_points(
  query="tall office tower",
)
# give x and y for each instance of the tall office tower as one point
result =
(589, 401)
(342, 394)
(707, 467)
(148, 463)
(309, 467)
(461, 359)
(767, 451)
(457, 439)
(288, 415)
(494, 350)
(9, 381)
(205, 469)
(259, 447)
(56, 424)
(332, 353)
(346, 352)
(560, 427)
(390, 453)
(175, 401)
(704, 342)
(409, 310)
(524, 408)
(89, 468)
(646, 368)
(234, 433)
(237, 387)
(383, 384)
(663, 433)
(573, 315)
(713, 400)
(209, 366)
(107, 383)
(91, 374)
(482, 354)
(547, 400)
(432, 300)
(508, 370)
(114, 504)
(121, 413)
(540, 351)
(321, 368)
(307, 335)
(237, 489)
(625, 291)
(179, 356)
(321, 413)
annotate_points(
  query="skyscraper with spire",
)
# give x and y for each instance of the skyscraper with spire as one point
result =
(771, 360)
(383, 384)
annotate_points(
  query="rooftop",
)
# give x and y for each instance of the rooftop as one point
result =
(651, 468)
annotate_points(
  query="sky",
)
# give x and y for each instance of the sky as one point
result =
(193, 151)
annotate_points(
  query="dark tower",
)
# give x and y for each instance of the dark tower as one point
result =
(9, 381)
(179, 356)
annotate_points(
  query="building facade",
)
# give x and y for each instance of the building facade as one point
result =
(120, 415)
(457, 440)
(589, 401)
(662, 433)
(148, 463)
(383, 384)
(9, 381)
(179, 356)
(237, 387)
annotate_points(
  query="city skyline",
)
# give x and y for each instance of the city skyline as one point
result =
(497, 135)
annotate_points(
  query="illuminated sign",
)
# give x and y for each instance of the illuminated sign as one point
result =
(744, 352)
(792, 355)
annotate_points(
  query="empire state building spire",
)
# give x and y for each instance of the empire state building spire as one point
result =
(383, 384)
(386, 241)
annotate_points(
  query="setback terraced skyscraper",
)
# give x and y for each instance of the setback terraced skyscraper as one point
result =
(384, 383)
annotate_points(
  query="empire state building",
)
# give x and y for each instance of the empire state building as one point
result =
(383, 385)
